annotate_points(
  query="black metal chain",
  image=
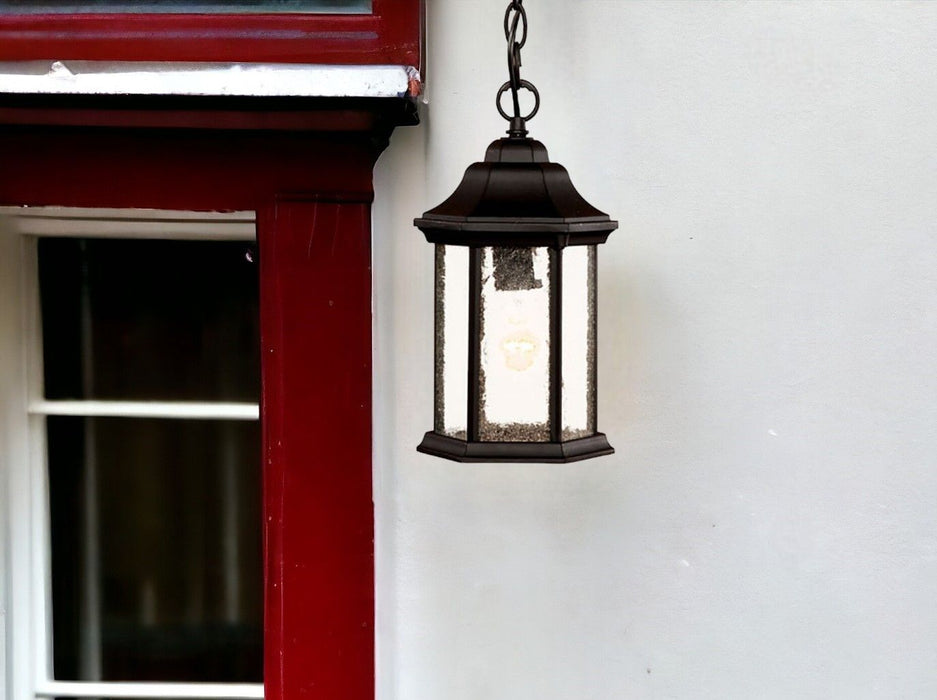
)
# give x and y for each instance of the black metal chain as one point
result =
(515, 17)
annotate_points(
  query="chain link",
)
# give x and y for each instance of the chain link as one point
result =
(515, 17)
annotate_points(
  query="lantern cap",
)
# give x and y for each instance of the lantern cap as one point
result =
(516, 197)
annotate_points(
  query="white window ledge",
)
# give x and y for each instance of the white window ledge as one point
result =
(163, 691)
(205, 79)
(147, 409)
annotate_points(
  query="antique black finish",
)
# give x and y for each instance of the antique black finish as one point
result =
(516, 213)
(516, 197)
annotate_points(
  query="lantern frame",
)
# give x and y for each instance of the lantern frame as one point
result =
(517, 198)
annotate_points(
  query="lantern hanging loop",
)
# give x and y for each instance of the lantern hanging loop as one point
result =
(515, 17)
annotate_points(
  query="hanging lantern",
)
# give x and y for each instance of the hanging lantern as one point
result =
(516, 304)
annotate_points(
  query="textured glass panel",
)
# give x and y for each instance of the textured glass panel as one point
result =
(184, 6)
(149, 319)
(578, 400)
(452, 303)
(156, 549)
(515, 345)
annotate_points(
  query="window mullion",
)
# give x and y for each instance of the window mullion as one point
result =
(142, 223)
(169, 691)
(147, 409)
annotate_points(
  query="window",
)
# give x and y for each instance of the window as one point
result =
(135, 542)
(357, 32)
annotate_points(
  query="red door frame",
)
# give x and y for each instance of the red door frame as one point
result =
(312, 192)
(391, 34)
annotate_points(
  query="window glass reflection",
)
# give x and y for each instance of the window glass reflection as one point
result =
(149, 320)
(156, 549)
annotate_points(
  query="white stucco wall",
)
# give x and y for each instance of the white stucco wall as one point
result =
(767, 527)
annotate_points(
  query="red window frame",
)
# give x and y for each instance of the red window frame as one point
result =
(312, 190)
(391, 35)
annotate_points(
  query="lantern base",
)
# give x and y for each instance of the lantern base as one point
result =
(548, 452)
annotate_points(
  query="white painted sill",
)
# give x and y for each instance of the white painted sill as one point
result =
(155, 691)
(205, 79)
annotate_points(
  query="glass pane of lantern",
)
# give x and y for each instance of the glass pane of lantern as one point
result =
(452, 328)
(514, 375)
(578, 369)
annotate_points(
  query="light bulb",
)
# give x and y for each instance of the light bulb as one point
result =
(519, 345)
(520, 350)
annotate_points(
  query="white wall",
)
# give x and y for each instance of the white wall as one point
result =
(767, 527)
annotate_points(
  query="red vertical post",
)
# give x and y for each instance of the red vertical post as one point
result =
(315, 285)
(316, 349)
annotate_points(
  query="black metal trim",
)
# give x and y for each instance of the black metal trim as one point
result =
(439, 338)
(516, 198)
(504, 236)
(455, 222)
(556, 344)
(473, 418)
(547, 452)
(593, 379)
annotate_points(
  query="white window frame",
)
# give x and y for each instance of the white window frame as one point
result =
(25, 567)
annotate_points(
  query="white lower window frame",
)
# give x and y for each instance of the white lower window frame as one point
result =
(25, 570)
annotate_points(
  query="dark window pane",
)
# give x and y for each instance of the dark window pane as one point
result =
(156, 549)
(149, 319)
(184, 6)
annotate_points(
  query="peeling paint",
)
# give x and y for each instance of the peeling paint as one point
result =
(207, 79)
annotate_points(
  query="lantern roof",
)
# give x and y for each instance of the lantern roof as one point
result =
(516, 197)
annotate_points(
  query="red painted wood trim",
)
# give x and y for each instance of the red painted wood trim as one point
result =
(202, 170)
(391, 34)
(316, 360)
(316, 331)
(270, 120)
